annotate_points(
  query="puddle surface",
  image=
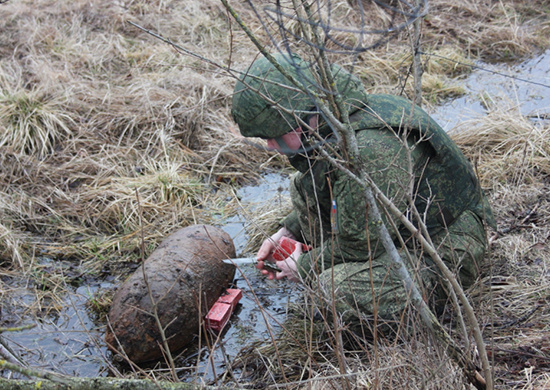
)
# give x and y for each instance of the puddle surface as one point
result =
(69, 342)
(72, 343)
(528, 91)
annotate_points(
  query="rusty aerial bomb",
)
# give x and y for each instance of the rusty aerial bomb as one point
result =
(180, 281)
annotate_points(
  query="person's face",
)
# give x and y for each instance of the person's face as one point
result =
(292, 140)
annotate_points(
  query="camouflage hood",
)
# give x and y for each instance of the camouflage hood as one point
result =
(258, 92)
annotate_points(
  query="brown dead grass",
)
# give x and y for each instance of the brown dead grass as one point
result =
(107, 133)
(128, 116)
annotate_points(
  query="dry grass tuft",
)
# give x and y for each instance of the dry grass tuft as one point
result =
(504, 140)
(502, 30)
(390, 73)
(94, 114)
(11, 247)
(309, 353)
(31, 122)
(264, 221)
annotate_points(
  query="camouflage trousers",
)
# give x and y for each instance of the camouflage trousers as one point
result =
(370, 292)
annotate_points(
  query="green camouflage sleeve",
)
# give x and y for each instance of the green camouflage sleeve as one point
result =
(292, 223)
(355, 237)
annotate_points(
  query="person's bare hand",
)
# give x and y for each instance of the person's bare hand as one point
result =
(265, 253)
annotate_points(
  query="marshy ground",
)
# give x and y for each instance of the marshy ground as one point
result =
(108, 135)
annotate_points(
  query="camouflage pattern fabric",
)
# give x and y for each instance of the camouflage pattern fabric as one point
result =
(449, 174)
(350, 261)
(404, 151)
(355, 236)
(369, 289)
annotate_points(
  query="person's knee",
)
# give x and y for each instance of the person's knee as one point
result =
(463, 249)
(364, 297)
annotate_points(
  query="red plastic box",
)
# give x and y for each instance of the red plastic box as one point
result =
(221, 311)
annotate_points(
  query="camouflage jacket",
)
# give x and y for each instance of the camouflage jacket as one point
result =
(330, 210)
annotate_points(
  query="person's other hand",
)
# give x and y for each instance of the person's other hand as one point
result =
(265, 253)
(268, 246)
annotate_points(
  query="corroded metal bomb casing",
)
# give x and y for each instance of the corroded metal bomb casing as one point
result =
(184, 276)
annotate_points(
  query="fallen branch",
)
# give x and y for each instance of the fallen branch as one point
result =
(102, 384)
(52, 381)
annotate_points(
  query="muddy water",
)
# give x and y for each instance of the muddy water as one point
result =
(71, 342)
(263, 306)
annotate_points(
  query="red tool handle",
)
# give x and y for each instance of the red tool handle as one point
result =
(285, 248)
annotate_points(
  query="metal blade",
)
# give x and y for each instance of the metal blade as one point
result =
(241, 261)
(251, 260)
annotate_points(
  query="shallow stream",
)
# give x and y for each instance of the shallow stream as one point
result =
(71, 342)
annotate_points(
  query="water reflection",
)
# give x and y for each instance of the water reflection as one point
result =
(530, 99)
(69, 342)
